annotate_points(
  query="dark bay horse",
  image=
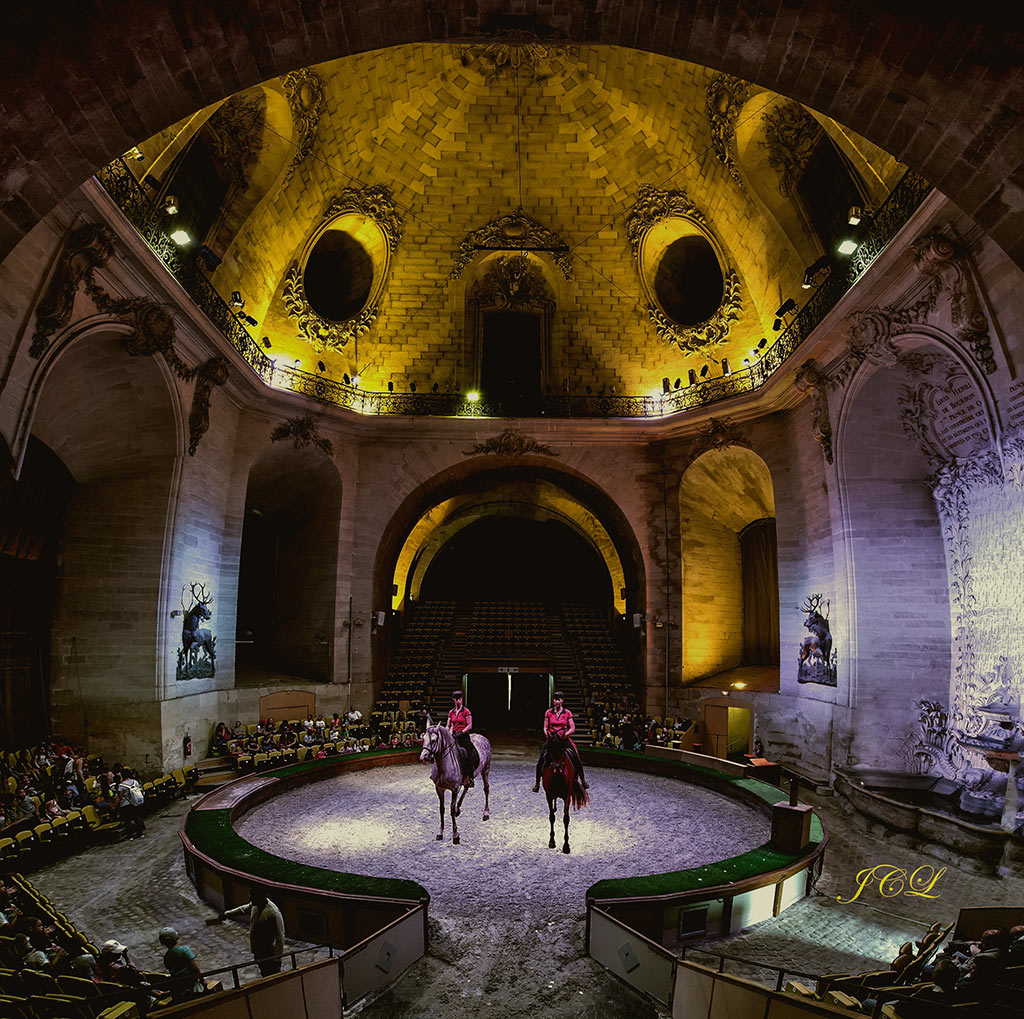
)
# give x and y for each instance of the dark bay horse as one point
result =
(440, 748)
(561, 783)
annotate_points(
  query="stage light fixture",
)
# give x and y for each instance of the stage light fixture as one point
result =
(787, 307)
(746, 362)
(847, 246)
(209, 256)
(666, 386)
(347, 380)
(763, 343)
(691, 375)
(237, 301)
(726, 370)
(412, 387)
(473, 396)
(171, 205)
(816, 272)
(435, 387)
(855, 215)
(704, 372)
(181, 237)
(355, 380)
(391, 386)
(266, 342)
(320, 366)
(250, 320)
(151, 182)
(677, 384)
(136, 153)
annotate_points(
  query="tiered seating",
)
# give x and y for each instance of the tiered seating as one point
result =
(31, 994)
(413, 668)
(499, 629)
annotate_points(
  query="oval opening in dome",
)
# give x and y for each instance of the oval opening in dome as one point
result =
(688, 283)
(338, 276)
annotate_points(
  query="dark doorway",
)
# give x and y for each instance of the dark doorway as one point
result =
(828, 189)
(487, 699)
(529, 700)
(510, 367)
(502, 701)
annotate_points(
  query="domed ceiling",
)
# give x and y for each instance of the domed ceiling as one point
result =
(646, 214)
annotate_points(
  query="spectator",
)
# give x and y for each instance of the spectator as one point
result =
(354, 717)
(335, 721)
(84, 966)
(271, 726)
(309, 724)
(114, 966)
(219, 743)
(180, 962)
(47, 960)
(238, 732)
(128, 804)
(288, 738)
(266, 930)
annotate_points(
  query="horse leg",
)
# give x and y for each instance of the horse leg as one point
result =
(440, 804)
(551, 820)
(455, 827)
(458, 809)
(565, 820)
(487, 793)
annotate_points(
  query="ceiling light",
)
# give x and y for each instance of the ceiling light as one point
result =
(171, 205)
(181, 237)
(473, 396)
(855, 215)
(740, 686)
(266, 342)
(847, 246)
(237, 301)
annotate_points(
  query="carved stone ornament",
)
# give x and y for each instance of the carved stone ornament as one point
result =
(791, 135)
(515, 232)
(236, 134)
(518, 53)
(320, 333)
(510, 442)
(706, 336)
(304, 432)
(946, 261)
(654, 205)
(86, 248)
(512, 283)
(810, 379)
(377, 205)
(209, 374)
(726, 95)
(718, 434)
(304, 91)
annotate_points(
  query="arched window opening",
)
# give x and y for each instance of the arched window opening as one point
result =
(759, 562)
(828, 188)
(511, 359)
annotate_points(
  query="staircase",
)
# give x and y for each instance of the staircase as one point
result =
(214, 772)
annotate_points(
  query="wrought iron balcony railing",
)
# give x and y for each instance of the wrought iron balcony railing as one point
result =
(130, 196)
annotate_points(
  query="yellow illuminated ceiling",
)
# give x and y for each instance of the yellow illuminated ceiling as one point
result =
(463, 135)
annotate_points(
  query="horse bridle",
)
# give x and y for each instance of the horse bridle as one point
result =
(433, 732)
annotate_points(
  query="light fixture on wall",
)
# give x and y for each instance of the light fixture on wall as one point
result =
(171, 205)
(321, 367)
(473, 396)
(704, 372)
(726, 370)
(847, 246)
(346, 379)
(266, 342)
(412, 387)
(816, 272)
(391, 386)
(786, 308)
(181, 237)
(691, 375)
(763, 343)
(237, 301)
(666, 386)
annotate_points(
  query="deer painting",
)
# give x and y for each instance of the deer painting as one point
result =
(197, 654)
(815, 664)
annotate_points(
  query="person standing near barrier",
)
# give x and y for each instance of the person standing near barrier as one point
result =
(266, 929)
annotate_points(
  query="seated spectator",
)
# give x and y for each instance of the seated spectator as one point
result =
(219, 743)
(335, 721)
(52, 809)
(335, 735)
(288, 738)
(320, 723)
(84, 966)
(321, 753)
(114, 966)
(271, 726)
(185, 980)
(407, 742)
(1015, 949)
(309, 724)
(354, 717)
(267, 743)
(396, 741)
(238, 730)
(46, 961)
(308, 739)
(27, 807)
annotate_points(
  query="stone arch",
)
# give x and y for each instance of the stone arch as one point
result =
(722, 492)
(288, 563)
(115, 423)
(892, 106)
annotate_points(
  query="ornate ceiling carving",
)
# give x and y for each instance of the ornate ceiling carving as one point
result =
(510, 442)
(726, 95)
(513, 283)
(516, 231)
(304, 432)
(236, 134)
(304, 91)
(654, 205)
(791, 135)
(518, 53)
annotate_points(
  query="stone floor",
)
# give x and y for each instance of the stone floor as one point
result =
(524, 964)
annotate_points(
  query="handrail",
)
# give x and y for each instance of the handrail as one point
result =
(780, 971)
(128, 194)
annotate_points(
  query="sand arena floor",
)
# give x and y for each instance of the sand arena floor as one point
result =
(506, 913)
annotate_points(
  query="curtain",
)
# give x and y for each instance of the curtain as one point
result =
(760, 564)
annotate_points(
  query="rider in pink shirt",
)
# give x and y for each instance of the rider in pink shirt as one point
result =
(558, 721)
(460, 722)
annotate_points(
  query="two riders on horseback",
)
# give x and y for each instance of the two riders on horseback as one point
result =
(559, 725)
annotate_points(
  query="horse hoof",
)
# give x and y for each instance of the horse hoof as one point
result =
(565, 849)
(487, 817)
(438, 837)
(551, 845)
(456, 840)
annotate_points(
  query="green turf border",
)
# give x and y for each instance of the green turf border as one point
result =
(753, 863)
(212, 834)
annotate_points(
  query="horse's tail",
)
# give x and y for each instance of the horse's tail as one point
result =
(578, 796)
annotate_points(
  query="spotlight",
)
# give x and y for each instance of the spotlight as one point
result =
(348, 381)
(251, 320)
(355, 380)
(820, 266)
(181, 237)
(151, 182)
(785, 309)
(171, 205)
(391, 387)
(692, 376)
(677, 383)
(855, 215)
(746, 362)
(666, 386)
(266, 342)
(135, 153)
(209, 256)
(298, 362)
(412, 387)
(473, 396)
(755, 352)
(763, 343)
(320, 366)
(847, 246)
(236, 299)
(726, 370)
(435, 387)
(704, 372)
